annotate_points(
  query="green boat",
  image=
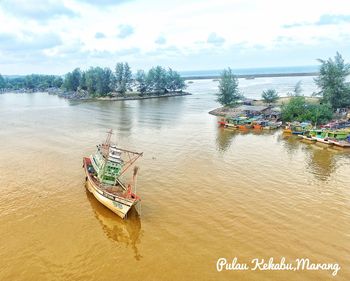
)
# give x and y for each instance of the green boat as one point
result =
(300, 128)
(321, 136)
(338, 135)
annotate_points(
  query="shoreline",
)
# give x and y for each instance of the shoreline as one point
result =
(231, 111)
(253, 76)
(74, 96)
(176, 94)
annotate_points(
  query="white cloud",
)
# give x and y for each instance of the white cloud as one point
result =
(125, 30)
(161, 40)
(182, 34)
(215, 39)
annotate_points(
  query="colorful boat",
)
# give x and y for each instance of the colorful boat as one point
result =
(257, 125)
(235, 122)
(342, 142)
(299, 128)
(307, 137)
(103, 172)
(321, 136)
(338, 134)
(287, 129)
(222, 121)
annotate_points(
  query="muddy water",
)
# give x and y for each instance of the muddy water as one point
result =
(207, 193)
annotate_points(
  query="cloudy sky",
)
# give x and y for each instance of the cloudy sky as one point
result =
(55, 36)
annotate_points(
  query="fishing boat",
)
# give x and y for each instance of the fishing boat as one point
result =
(299, 128)
(345, 143)
(321, 136)
(272, 125)
(340, 143)
(257, 125)
(103, 172)
(222, 121)
(307, 137)
(287, 129)
(338, 134)
(235, 122)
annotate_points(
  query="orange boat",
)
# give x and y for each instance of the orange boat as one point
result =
(257, 126)
(222, 122)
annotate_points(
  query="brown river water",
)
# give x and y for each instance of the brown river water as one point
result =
(207, 193)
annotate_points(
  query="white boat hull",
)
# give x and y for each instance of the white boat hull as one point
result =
(117, 204)
(120, 208)
(322, 141)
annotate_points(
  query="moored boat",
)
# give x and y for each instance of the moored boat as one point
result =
(299, 128)
(345, 143)
(222, 121)
(321, 137)
(103, 172)
(306, 137)
(340, 143)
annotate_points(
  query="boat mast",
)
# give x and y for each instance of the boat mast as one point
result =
(105, 149)
(107, 144)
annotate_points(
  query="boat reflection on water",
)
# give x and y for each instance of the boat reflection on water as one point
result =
(225, 136)
(127, 231)
(224, 139)
(320, 160)
(289, 142)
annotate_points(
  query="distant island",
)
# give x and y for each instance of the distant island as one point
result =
(253, 76)
(101, 83)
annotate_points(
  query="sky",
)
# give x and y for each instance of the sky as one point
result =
(56, 36)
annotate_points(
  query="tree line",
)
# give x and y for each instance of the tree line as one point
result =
(33, 82)
(103, 81)
(99, 81)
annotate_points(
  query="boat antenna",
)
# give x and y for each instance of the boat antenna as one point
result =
(136, 168)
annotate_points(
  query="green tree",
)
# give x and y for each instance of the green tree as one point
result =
(76, 76)
(318, 113)
(91, 80)
(82, 84)
(127, 77)
(228, 89)
(98, 81)
(105, 78)
(141, 83)
(298, 109)
(72, 80)
(174, 81)
(30, 81)
(294, 109)
(2, 82)
(332, 82)
(298, 89)
(123, 77)
(270, 96)
(119, 73)
(157, 79)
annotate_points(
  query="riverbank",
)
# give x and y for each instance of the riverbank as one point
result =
(257, 105)
(85, 96)
(143, 97)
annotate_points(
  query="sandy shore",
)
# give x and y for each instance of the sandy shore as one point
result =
(231, 111)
